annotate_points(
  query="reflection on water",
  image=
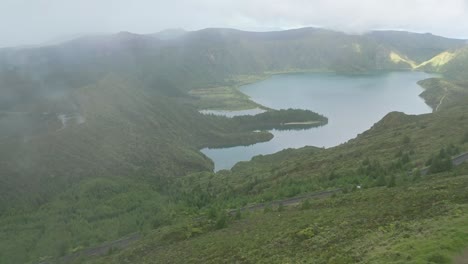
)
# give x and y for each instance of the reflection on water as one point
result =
(233, 113)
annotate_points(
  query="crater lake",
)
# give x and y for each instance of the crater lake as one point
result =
(352, 103)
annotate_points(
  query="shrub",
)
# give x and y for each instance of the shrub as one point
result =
(381, 181)
(441, 162)
(306, 233)
(221, 222)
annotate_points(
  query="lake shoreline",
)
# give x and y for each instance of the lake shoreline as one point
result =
(383, 92)
(249, 104)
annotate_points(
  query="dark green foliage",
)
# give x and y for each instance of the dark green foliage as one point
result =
(373, 169)
(381, 181)
(213, 213)
(376, 225)
(405, 158)
(442, 161)
(221, 221)
(438, 258)
(392, 182)
(91, 213)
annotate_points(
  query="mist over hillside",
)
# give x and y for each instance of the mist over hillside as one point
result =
(100, 137)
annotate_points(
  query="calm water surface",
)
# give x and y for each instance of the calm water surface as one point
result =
(351, 103)
(228, 113)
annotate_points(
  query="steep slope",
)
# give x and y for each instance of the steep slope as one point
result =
(457, 68)
(418, 47)
(111, 128)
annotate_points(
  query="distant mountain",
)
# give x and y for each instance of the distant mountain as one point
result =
(175, 61)
(169, 34)
(418, 47)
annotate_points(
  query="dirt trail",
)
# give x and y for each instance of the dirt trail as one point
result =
(462, 259)
(458, 160)
(99, 250)
(289, 201)
(441, 100)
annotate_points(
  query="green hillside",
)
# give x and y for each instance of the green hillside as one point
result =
(396, 215)
(425, 222)
(100, 139)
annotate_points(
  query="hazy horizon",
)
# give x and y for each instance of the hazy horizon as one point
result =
(51, 21)
(65, 38)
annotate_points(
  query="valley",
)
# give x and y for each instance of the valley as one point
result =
(101, 138)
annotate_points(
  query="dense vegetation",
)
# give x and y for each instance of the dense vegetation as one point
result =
(126, 159)
(423, 222)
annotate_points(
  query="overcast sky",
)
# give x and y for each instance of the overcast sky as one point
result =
(25, 22)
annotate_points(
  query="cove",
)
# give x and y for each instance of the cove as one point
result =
(351, 103)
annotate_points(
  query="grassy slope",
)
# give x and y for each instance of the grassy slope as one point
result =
(419, 220)
(456, 68)
(415, 223)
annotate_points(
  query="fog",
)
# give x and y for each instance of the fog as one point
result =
(32, 22)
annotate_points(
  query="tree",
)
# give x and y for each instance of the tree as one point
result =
(441, 162)
(381, 181)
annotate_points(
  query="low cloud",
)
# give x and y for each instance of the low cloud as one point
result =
(38, 21)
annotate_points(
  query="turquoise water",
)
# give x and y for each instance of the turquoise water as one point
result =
(351, 103)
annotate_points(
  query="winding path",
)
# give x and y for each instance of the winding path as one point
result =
(441, 100)
(457, 160)
(463, 258)
(289, 201)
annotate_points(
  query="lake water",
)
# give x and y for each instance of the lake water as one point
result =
(351, 103)
(228, 113)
